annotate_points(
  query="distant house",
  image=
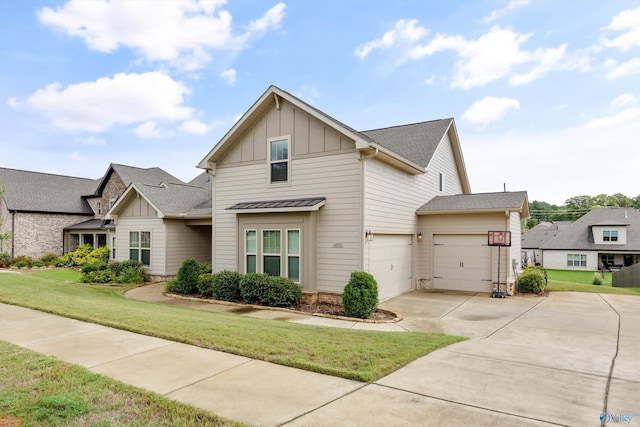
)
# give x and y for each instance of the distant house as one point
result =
(47, 213)
(533, 239)
(163, 224)
(606, 238)
(298, 194)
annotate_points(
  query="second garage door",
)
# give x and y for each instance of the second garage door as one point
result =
(390, 264)
(461, 262)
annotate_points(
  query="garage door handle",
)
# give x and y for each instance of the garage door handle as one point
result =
(438, 277)
(486, 280)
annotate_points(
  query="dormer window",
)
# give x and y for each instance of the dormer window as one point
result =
(610, 236)
(279, 160)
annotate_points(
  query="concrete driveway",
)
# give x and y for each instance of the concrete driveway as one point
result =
(558, 360)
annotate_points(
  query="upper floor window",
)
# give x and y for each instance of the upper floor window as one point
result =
(99, 207)
(441, 182)
(279, 160)
(610, 235)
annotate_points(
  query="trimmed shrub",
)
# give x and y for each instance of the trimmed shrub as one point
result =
(49, 259)
(172, 286)
(205, 284)
(37, 264)
(93, 266)
(131, 274)
(280, 292)
(532, 280)
(597, 279)
(187, 278)
(99, 276)
(226, 286)
(22, 261)
(5, 260)
(252, 286)
(360, 295)
(205, 267)
(100, 254)
(77, 257)
(119, 266)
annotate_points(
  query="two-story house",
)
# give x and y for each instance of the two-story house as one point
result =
(297, 193)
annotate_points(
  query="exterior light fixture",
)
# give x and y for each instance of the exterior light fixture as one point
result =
(419, 236)
(368, 235)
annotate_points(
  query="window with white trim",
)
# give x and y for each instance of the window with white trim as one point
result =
(293, 255)
(140, 246)
(278, 160)
(251, 251)
(441, 182)
(610, 235)
(272, 252)
(113, 247)
(576, 260)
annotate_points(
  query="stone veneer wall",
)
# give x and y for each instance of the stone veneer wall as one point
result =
(36, 234)
(5, 227)
(112, 190)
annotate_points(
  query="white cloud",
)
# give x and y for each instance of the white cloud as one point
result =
(122, 100)
(149, 130)
(624, 100)
(181, 33)
(270, 20)
(627, 68)
(627, 21)
(511, 6)
(229, 76)
(91, 140)
(489, 109)
(404, 31)
(195, 127)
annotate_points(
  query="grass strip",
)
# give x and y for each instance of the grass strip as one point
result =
(42, 391)
(581, 281)
(353, 354)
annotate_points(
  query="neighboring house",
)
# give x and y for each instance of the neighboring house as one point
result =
(299, 194)
(533, 239)
(604, 238)
(36, 207)
(46, 213)
(162, 225)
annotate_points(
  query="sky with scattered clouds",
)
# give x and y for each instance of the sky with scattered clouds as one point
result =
(545, 94)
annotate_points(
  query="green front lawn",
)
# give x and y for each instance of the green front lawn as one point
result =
(352, 354)
(40, 390)
(581, 281)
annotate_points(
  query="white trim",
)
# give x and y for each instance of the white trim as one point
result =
(246, 252)
(299, 255)
(288, 160)
(263, 253)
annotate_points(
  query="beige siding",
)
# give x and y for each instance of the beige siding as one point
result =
(139, 208)
(184, 241)
(308, 136)
(478, 224)
(158, 240)
(515, 251)
(444, 162)
(558, 260)
(336, 177)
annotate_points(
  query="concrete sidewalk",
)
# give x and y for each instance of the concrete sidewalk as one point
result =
(531, 361)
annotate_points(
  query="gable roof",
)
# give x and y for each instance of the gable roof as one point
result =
(542, 233)
(130, 174)
(170, 200)
(43, 192)
(479, 202)
(579, 236)
(399, 145)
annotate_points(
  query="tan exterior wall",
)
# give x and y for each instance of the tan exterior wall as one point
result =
(184, 241)
(478, 224)
(558, 260)
(36, 234)
(158, 241)
(339, 236)
(443, 161)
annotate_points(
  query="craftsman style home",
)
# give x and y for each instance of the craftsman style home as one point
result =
(296, 193)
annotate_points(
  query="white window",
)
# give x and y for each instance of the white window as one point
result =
(279, 160)
(441, 182)
(113, 247)
(271, 252)
(576, 260)
(293, 255)
(140, 246)
(610, 235)
(251, 251)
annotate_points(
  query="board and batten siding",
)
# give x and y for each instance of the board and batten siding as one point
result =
(139, 215)
(478, 224)
(184, 241)
(337, 177)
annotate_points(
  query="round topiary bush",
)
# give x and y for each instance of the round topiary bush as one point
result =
(252, 286)
(360, 296)
(532, 280)
(226, 286)
(187, 278)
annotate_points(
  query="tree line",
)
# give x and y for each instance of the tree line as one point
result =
(575, 207)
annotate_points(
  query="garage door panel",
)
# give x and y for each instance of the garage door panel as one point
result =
(462, 262)
(390, 263)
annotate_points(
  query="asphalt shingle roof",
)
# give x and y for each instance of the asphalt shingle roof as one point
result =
(579, 236)
(42, 192)
(542, 233)
(416, 142)
(475, 202)
(131, 174)
(175, 200)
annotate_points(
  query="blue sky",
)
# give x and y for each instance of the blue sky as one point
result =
(545, 94)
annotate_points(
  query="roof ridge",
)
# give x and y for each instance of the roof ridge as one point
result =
(408, 124)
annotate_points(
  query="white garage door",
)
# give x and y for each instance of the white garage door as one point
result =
(390, 264)
(461, 262)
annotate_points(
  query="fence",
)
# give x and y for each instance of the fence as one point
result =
(628, 277)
